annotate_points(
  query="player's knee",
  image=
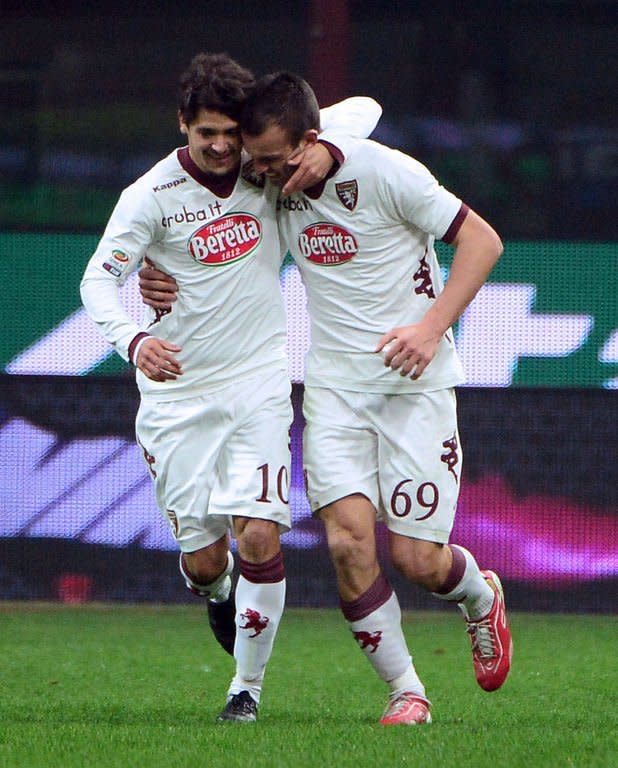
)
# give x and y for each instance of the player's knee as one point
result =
(203, 567)
(347, 547)
(421, 566)
(258, 541)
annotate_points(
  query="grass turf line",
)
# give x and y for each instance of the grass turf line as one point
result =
(121, 686)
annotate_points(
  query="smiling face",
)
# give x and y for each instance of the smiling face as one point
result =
(214, 142)
(271, 151)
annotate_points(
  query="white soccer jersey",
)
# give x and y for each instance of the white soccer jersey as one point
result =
(224, 253)
(365, 250)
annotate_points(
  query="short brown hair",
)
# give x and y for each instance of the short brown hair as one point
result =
(283, 99)
(216, 82)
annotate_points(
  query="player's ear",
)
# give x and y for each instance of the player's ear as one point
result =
(182, 125)
(310, 136)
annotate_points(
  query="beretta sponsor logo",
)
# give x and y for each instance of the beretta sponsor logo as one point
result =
(327, 244)
(225, 240)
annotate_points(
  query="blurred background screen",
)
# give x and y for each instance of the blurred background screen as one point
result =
(511, 105)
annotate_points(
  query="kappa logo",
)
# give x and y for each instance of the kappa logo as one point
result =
(255, 621)
(347, 192)
(149, 459)
(173, 519)
(225, 240)
(327, 244)
(169, 184)
(451, 457)
(158, 314)
(369, 639)
(423, 275)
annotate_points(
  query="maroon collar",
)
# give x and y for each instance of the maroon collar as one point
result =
(221, 186)
(316, 190)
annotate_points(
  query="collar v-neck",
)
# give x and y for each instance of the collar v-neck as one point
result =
(221, 186)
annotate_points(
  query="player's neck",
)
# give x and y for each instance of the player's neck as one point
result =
(220, 185)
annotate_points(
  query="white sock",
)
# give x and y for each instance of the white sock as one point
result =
(259, 608)
(381, 639)
(472, 592)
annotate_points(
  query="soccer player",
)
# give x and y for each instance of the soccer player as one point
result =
(215, 408)
(381, 438)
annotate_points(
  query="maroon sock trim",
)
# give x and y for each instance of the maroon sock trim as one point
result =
(455, 575)
(377, 594)
(269, 572)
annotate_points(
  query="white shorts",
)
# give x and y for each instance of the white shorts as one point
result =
(400, 451)
(219, 455)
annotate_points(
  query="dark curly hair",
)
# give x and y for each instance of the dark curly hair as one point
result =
(216, 82)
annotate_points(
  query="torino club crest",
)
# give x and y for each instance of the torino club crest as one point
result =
(347, 192)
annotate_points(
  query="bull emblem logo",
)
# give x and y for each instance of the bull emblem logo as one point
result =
(255, 621)
(347, 192)
(368, 640)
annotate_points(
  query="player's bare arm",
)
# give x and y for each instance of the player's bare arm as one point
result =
(411, 348)
(157, 361)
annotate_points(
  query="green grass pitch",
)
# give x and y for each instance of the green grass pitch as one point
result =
(123, 686)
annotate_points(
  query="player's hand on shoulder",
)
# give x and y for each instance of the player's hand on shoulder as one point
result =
(313, 164)
(157, 288)
(409, 349)
(156, 359)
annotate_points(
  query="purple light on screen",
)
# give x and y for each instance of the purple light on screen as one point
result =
(547, 539)
(98, 491)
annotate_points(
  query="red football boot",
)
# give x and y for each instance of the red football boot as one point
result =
(406, 709)
(492, 644)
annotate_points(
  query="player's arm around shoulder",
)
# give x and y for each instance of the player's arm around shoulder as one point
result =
(356, 117)
(341, 124)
